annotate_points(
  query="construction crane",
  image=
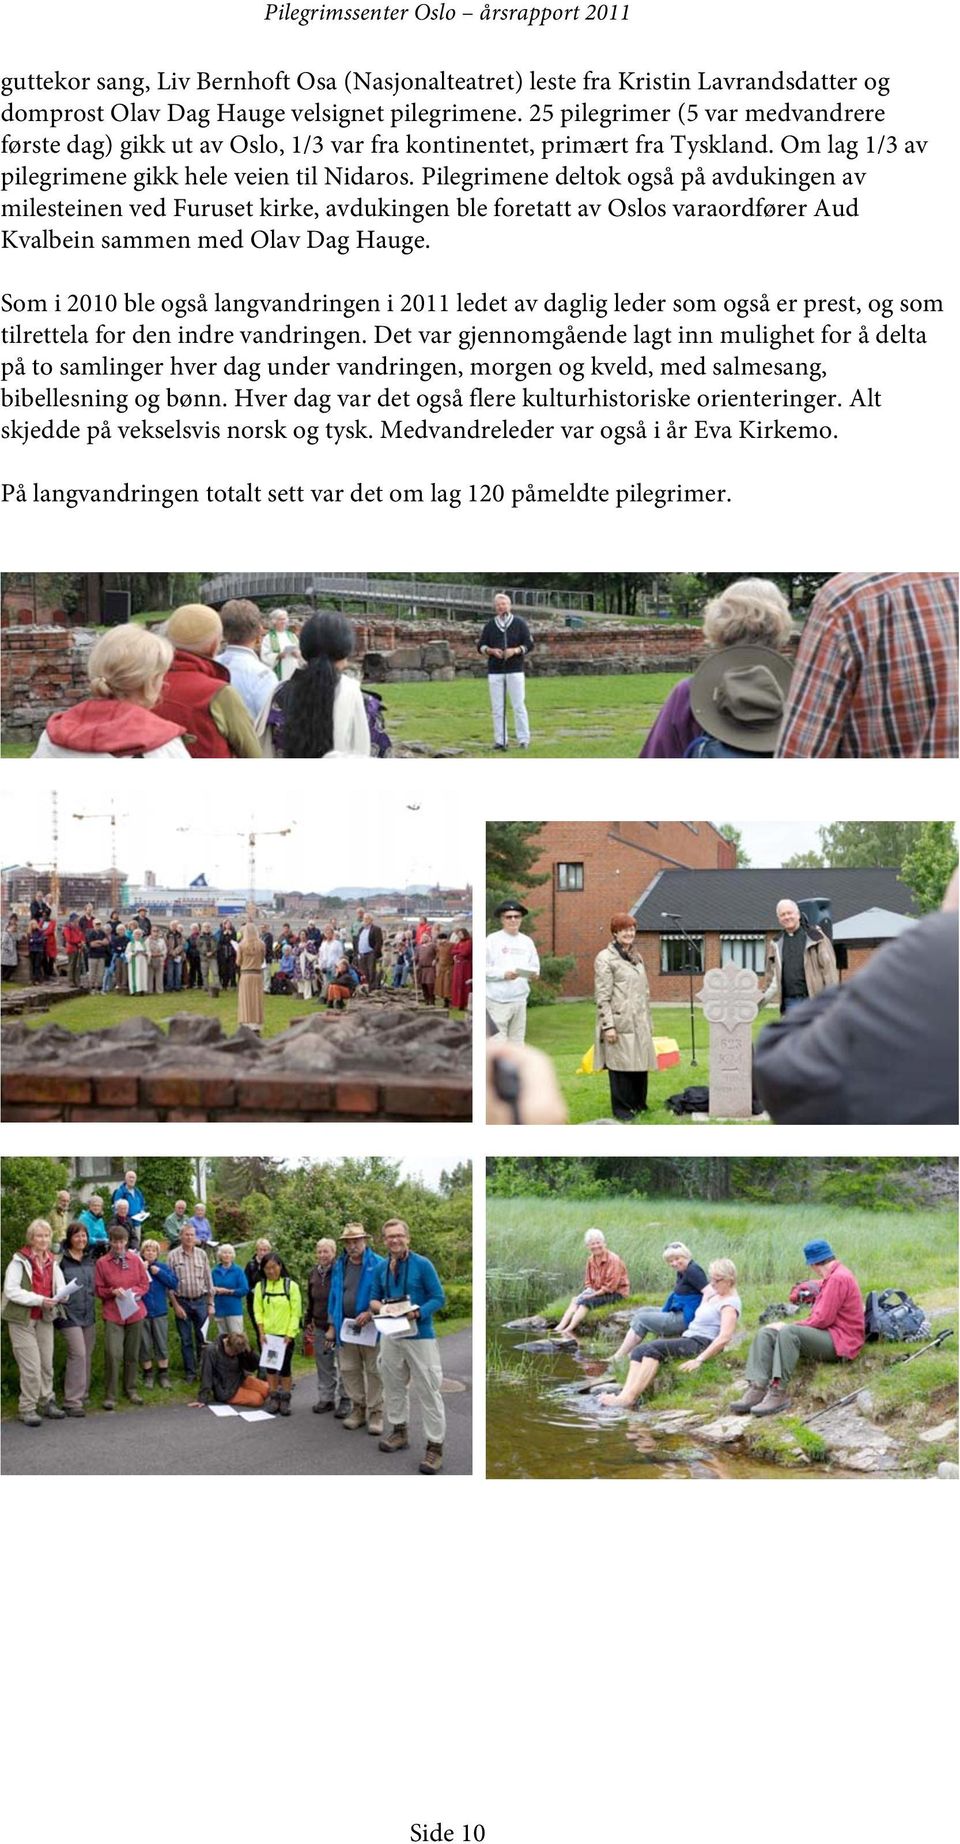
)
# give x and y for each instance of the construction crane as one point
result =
(113, 816)
(251, 836)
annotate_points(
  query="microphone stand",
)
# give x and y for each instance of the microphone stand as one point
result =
(669, 917)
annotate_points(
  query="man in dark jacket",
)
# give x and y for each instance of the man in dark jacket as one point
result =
(880, 1048)
(506, 640)
(370, 952)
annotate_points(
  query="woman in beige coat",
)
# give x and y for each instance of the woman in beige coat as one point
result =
(623, 1045)
(250, 978)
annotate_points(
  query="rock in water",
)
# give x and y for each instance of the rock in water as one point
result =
(535, 1324)
(726, 1429)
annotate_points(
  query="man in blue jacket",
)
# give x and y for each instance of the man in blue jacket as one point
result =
(410, 1360)
(131, 1193)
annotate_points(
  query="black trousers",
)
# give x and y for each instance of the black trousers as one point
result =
(628, 1092)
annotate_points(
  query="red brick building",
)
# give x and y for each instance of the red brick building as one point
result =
(680, 868)
(596, 868)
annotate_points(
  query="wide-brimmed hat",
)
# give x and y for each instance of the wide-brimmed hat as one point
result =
(737, 694)
(815, 1252)
(354, 1232)
(511, 903)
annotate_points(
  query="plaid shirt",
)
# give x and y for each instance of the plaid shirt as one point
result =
(876, 671)
(192, 1272)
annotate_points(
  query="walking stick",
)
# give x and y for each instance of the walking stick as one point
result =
(907, 1358)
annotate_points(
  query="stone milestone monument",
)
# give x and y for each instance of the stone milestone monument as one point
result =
(730, 1001)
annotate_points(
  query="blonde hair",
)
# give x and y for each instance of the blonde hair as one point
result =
(38, 1223)
(326, 1242)
(677, 1248)
(128, 661)
(149, 1244)
(724, 1269)
(753, 612)
(396, 1223)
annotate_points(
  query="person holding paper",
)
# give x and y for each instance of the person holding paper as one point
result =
(121, 1281)
(410, 1361)
(356, 1276)
(130, 1190)
(277, 1311)
(32, 1281)
(155, 1330)
(192, 1298)
(77, 1320)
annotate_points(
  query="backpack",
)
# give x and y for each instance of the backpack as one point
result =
(696, 1100)
(704, 745)
(892, 1317)
(804, 1293)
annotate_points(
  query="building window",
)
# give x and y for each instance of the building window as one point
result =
(678, 955)
(569, 876)
(744, 951)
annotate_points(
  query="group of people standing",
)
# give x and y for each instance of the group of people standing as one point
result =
(218, 685)
(238, 1327)
(700, 1316)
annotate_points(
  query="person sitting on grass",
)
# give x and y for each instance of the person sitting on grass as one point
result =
(606, 1283)
(833, 1332)
(672, 1318)
(154, 1329)
(227, 1369)
(709, 1332)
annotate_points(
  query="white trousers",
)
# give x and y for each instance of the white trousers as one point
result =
(500, 684)
(510, 1018)
(412, 1366)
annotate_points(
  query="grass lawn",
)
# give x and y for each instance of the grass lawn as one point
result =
(16, 752)
(566, 1031)
(570, 716)
(93, 1011)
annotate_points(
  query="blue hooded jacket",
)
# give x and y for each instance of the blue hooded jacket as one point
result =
(416, 1280)
(366, 1290)
(162, 1283)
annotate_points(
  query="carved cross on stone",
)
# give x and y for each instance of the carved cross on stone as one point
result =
(730, 1000)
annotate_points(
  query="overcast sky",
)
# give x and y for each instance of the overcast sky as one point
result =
(767, 842)
(338, 838)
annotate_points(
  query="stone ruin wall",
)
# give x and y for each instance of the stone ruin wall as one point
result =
(44, 669)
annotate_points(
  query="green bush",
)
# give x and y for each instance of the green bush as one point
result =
(553, 971)
(459, 1300)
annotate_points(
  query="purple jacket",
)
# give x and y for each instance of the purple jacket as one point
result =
(675, 728)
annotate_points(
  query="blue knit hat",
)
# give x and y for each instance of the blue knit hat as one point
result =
(814, 1252)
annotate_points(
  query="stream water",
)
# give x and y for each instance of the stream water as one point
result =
(538, 1427)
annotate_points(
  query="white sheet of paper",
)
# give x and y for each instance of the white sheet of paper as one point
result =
(367, 1334)
(389, 1328)
(203, 1328)
(255, 1415)
(271, 1356)
(65, 1292)
(221, 1408)
(126, 1303)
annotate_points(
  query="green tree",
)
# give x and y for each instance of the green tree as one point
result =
(236, 1178)
(930, 863)
(860, 844)
(736, 839)
(512, 851)
(162, 1181)
(804, 861)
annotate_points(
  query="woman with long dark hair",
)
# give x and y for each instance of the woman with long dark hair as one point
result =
(320, 710)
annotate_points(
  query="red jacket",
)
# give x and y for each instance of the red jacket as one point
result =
(73, 937)
(189, 689)
(462, 974)
(110, 727)
(130, 1272)
(839, 1311)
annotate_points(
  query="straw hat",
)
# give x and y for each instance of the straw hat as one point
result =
(354, 1232)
